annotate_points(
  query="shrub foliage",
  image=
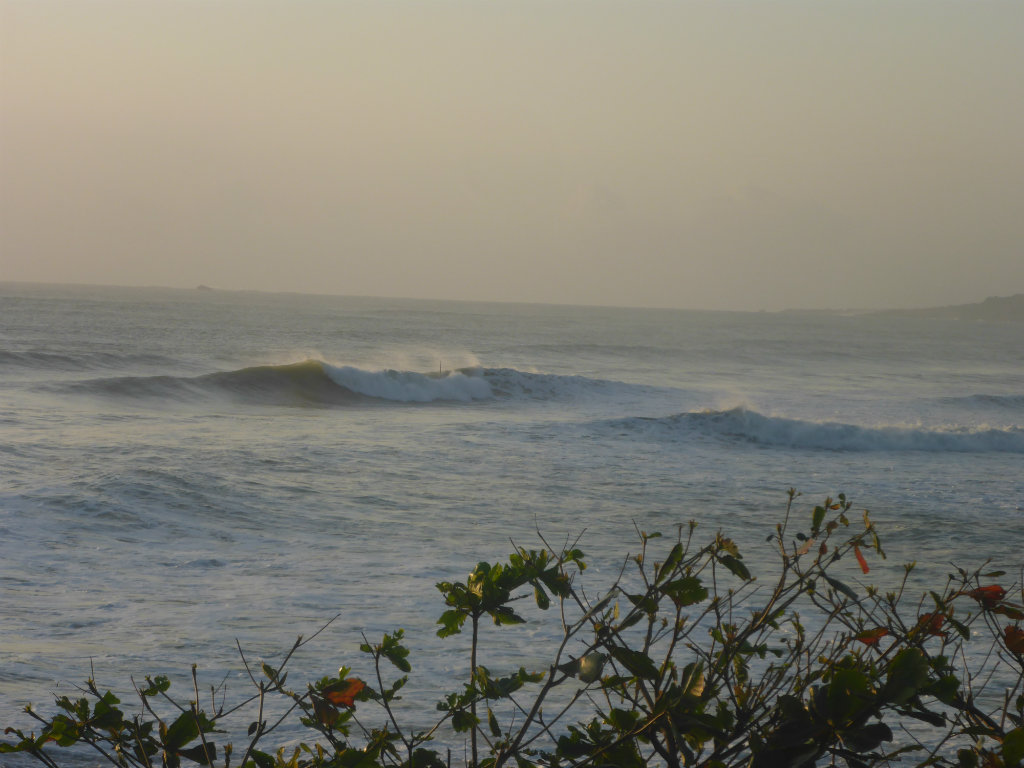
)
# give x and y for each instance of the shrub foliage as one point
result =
(685, 660)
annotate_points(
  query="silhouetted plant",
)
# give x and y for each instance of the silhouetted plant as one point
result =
(685, 659)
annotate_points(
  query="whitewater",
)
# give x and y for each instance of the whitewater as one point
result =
(180, 469)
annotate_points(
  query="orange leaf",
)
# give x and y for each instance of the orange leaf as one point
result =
(988, 595)
(860, 559)
(324, 712)
(344, 694)
(872, 636)
(1014, 637)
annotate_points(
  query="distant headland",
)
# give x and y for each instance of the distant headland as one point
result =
(993, 309)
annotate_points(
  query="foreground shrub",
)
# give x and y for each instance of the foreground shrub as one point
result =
(685, 659)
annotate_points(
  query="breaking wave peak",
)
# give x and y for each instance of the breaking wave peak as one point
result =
(461, 385)
(311, 382)
(750, 426)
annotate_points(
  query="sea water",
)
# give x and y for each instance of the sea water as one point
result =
(181, 470)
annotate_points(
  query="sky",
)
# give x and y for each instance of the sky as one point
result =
(735, 154)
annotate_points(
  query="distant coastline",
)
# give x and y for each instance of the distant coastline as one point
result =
(995, 309)
(1003, 309)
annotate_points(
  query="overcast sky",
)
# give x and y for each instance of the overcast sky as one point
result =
(742, 154)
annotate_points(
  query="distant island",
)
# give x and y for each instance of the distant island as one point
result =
(993, 309)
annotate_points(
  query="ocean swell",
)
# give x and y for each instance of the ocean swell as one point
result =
(1007, 402)
(38, 359)
(742, 424)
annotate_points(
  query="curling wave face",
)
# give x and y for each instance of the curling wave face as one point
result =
(311, 382)
(742, 424)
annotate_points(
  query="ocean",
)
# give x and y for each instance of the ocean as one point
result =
(181, 469)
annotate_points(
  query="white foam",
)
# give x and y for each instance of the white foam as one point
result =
(410, 387)
(526, 385)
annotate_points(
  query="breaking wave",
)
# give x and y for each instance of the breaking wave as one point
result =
(314, 382)
(749, 426)
(526, 385)
(311, 382)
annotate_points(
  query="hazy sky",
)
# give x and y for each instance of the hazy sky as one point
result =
(741, 154)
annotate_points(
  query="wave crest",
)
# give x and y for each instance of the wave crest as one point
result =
(753, 427)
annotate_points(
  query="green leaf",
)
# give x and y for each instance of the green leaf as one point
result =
(623, 720)
(734, 565)
(198, 753)
(817, 518)
(675, 556)
(451, 623)
(632, 618)
(868, 737)
(262, 759)
(158, 684)
(181, 731)
(492, 721)
(685, 591)
(543, 601)
(961, 629)
(637, 663)
(591, 666)
(645, 603)
(908, 674)
(692, 679)
(838, 586)
(462, 721)
(392, 649)
(945, 689)
(503, 615)
(1013, 747)
(926, 716)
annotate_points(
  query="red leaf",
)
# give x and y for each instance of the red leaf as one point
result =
(872, 636)
(931, 623)
(1014, 637)
(344, 694)
(860, 559)
(988, 595)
